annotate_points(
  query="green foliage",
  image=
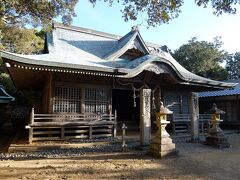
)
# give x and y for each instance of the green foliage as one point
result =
(220, 6)
(157, 12)
(36, 13)
(6, 81)
(162, 11)
(41, 13)
(217, 73)
(20, 40)
(233, 66)
(202, 58)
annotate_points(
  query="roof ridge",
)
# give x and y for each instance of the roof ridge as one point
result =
(128, 34)
(86, 30)
(98, 33)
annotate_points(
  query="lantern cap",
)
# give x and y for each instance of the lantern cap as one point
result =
(164, 110)
(216, 110)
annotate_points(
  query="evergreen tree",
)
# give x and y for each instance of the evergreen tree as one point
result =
(203, 58)
(233, 66)
(42, 12)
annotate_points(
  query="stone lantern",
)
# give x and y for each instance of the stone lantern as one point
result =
(215, 135)
(162, 145)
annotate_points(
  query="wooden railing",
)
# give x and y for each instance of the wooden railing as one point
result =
(70, 126)
(204, 122)
(181, 123)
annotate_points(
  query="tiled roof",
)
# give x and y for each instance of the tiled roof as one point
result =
(226, 92)
(84, 49)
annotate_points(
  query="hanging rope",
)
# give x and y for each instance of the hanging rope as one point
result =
(153, 101)
(153, 96)
(134, 90)
(134, 97)
(138, 89)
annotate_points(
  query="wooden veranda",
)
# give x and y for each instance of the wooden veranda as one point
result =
(70, 126)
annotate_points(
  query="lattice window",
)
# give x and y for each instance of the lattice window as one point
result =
(67, 99)
(96, 100)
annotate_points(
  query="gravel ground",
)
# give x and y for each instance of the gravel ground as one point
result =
(195, 161)
(73, 152)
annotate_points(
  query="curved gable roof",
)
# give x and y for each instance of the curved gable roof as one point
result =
(82, 49)
(153, 63)
(131, 40)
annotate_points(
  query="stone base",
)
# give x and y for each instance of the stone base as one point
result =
(219, 142)
(161, 145)
(163, 149)
(163, 154)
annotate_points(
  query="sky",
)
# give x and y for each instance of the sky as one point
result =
(193, 21)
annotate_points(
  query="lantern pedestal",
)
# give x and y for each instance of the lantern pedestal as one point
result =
(219, 142)
(161, 145)
(216, 136)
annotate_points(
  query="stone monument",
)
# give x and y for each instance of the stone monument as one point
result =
(161, 145)
(145, 117)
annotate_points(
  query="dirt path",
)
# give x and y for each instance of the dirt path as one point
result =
(196, 161)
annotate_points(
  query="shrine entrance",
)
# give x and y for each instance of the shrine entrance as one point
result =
(123, 102)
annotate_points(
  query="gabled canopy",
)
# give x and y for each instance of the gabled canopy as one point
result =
(132, 40)
(79, 50)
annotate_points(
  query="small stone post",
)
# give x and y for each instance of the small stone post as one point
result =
(162, 145)
(194, 114)
(145, 117)
(115, 125)
(124, 145)
(215, 135)
(30, 133)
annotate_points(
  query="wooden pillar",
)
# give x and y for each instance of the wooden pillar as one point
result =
(194, 115)
(50, 93)
(145, 117)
